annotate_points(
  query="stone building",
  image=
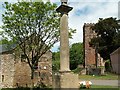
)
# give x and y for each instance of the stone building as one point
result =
(115, 60)
(15, 72)
(89, 52)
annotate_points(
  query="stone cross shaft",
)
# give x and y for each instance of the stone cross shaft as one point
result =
(64, 37)
(64, 43)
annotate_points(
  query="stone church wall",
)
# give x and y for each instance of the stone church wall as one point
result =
(22, 75)
(7, 70)
(15, 72)
(89, 52)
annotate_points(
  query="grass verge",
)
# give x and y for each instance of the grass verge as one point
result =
(108, 76)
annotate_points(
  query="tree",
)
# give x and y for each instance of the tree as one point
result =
(108, 36)
(33, 26)
(3, 41)
(56, 61)
(76, 55)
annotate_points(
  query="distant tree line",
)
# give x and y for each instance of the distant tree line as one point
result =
(76, 57)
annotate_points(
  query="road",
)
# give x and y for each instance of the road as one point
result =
(105, 82)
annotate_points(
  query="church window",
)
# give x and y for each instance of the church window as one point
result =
(2, 78)
(36, 74)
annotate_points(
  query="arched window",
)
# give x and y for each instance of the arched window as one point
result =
(2, 78)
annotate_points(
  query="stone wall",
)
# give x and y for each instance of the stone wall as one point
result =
(15, 72)
(22, 76)
(42, 74)
(45, 70)
(115, 60)
(7, 70)
(89, 52)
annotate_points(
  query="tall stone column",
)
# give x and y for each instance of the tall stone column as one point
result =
(66, 78)
(64, 43)
(64, 9)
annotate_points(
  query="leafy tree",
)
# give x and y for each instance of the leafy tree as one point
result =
(3, 41)
(33, 26)
(76, 55)
(108, 36)
(56, 61)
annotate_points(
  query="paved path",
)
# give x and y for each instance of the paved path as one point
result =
(105, 82)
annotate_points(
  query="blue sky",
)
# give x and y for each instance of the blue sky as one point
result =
(84, 11)
(88, 11)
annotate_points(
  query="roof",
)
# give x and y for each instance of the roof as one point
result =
(116, 51)
(6, 47)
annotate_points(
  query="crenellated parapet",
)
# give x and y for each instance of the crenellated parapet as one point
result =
(87, 29)
(89, 24)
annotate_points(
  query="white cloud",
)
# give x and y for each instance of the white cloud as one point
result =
(96, 9)
(86, 11)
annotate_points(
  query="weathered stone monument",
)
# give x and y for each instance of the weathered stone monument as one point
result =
(66, 78)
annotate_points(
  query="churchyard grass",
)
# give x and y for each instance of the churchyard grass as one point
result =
(107, 76)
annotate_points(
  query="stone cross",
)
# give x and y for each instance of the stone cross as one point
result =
(66, 79)
(64, 44)
(64, 37)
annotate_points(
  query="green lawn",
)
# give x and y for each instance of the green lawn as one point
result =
(108, 76)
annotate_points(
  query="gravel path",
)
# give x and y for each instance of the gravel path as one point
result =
(105, 82)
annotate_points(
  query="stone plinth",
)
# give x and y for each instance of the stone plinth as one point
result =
(69, 80)
(66, 80)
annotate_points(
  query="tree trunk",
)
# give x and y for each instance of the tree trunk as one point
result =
(32, 78)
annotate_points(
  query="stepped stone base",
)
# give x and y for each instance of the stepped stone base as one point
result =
(66, 80)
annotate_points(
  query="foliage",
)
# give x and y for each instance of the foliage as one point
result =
(108, 36)
(76, 55)
(4, 41)
(108, 67)
(56, 61)
(34, 26)
(56, 56)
